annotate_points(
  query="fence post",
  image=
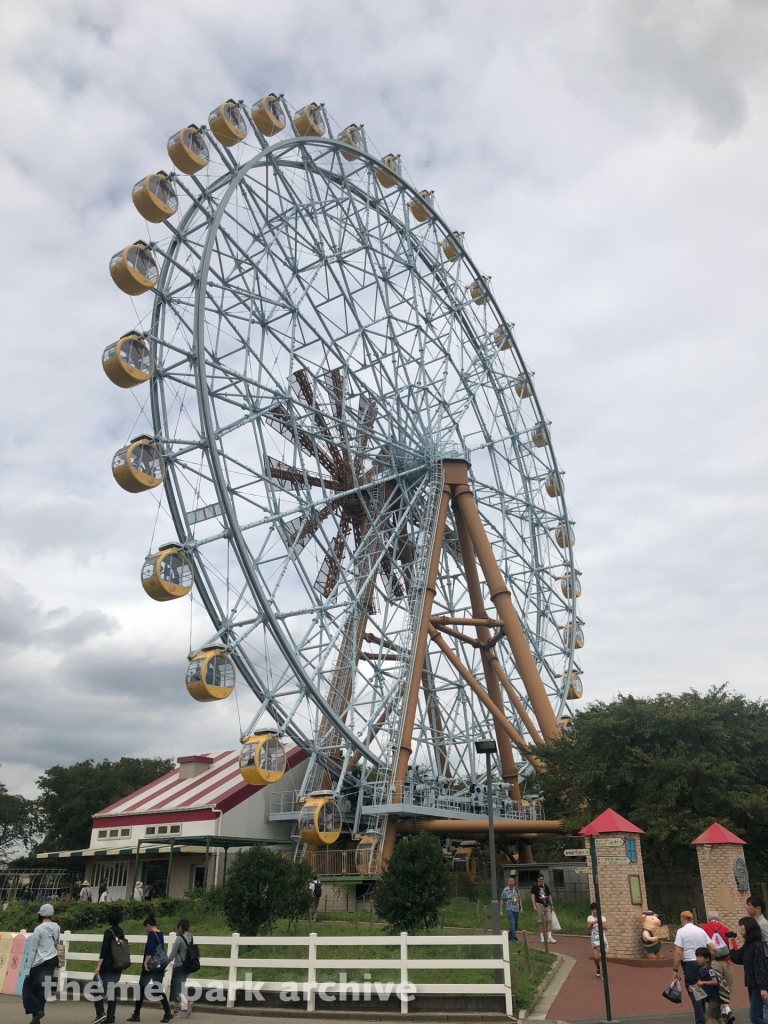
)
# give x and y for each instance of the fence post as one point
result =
(403, 972)
(311, 972)
(234, 955)
(507, 980)
(61, 984)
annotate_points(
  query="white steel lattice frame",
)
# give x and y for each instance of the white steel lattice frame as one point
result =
(317, 357)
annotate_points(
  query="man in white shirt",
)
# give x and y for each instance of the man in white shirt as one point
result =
(688, 939)
(756, 909)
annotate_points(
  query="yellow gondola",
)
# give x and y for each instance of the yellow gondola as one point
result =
(228, 124)
(503, 338)
(189, 150)
(468, 864)
(128, 362)
(139, 466)
(570, 587)
(451, 245)
(366, 853)
(155, 197)
(133, 269)
(262, 759)
(522, 386)
(210, 675)
(577, 635)
(268, 115)
(384, 179)
(575, 686)
(479, 292)
(351, 136)
(167, 574)
(309, 121)
(540, 435)
(320, 820)
(564, 535)
(553, 484)
(420, 208)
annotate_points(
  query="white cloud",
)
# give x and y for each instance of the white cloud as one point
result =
(606, 160)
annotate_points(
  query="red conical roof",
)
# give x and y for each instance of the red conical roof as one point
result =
(716, 835)
(609, 821)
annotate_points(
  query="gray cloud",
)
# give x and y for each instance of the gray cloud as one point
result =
(606, 161)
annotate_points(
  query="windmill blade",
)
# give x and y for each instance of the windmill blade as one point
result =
(278, 418)
(333, 398)
(392, 577)
(366, 416)
(299, 531)
(328, 576)
(284, 473)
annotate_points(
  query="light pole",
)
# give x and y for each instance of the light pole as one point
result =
(488, 747)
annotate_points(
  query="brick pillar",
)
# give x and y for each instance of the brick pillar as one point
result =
(619, 885)
(724, 878)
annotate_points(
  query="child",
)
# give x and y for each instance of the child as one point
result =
(710, 983)
(594, 933)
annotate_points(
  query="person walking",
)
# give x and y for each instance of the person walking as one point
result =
(707, 986)
(85, 893)
(317, 891)
(107, 971)
(138, 890)
(752, 957)
(103, 887)
(104, 895)
(151, 977)
(178, 956)
(42, 961)
(688, 939)
(594, 937)
(25, 896)
(756, 910)
(722, 963)
(542, 902)
(510, 897)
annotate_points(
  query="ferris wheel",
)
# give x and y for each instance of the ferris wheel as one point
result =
(358, 479)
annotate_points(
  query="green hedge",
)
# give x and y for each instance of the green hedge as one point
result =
(72, 915)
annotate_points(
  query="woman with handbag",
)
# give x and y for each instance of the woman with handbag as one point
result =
(752, 957)
(152, 971)
(108, 970)
(42, 961)
(179, 955)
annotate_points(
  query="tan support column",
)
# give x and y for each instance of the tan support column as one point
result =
(506, 756)
(502, 600)
(417, 666)
(724, 876)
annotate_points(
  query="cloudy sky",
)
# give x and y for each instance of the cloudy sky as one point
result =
(607, 160)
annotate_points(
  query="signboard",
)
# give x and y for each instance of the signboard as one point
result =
(581, 871)
(609, 842)
(575, 853)
(614, 861)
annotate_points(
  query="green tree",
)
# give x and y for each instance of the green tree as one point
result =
(672, 764)
(414, 886)
(69, 797)
(18, 822)
(298, 897)
(258, 883)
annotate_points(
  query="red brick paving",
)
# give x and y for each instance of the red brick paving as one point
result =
(635, 991)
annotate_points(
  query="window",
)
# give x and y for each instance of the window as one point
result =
(162, 830)
(125, 833)
(102, 833)
(558, 876)
(115, 873)
(149, 830)
(631, 851)
(175, 830)
(113, 833)
(635, 893)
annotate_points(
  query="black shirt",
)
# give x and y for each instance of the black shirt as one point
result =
(541, 894)
(105, 954)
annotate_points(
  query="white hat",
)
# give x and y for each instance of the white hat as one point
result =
(46, 910)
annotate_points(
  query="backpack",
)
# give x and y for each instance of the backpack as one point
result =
(192, 960)
(121, 953)
(158, 961)
(317, 890)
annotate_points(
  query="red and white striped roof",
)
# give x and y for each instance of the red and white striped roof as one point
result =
(216, 790)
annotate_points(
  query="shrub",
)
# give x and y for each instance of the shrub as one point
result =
(415, 885)
(257, 890)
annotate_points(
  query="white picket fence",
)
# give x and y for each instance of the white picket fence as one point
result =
(310, 989)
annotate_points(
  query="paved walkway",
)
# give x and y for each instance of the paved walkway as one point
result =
(635, 991)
